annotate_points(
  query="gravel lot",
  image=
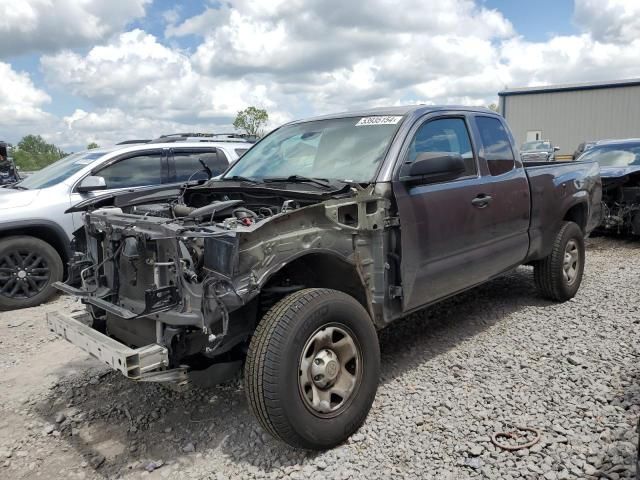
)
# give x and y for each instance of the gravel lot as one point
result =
(492, 359)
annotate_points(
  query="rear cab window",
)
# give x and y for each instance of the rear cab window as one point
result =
(496, 145)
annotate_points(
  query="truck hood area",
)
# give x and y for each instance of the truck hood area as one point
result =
(618, 172)
(191, 258)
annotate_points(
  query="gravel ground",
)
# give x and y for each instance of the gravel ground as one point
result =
(487, 361)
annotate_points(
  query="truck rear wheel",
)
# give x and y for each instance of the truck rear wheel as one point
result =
(28, 268)
(558, 276)
(313, 368)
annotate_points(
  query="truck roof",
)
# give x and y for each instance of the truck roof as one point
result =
(396, 111)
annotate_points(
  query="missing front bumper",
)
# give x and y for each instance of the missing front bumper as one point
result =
(147, 363)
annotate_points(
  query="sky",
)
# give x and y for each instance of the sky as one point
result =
(81, 71)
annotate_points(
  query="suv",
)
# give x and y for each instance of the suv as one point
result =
(35, 231)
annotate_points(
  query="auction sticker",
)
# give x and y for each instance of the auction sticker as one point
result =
(378, 120)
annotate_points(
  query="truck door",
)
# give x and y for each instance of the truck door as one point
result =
(510, 205)
(446, 227)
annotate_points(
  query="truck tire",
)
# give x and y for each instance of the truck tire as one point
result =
(28, 268)
(558, 276)
(313, 368)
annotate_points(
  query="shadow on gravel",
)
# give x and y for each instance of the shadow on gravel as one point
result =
(117, 425)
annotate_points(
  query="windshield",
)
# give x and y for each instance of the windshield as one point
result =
(61, 170)
(536, 146)
(614, 155)
(337, 149)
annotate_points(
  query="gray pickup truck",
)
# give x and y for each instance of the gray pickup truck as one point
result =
(326, 231)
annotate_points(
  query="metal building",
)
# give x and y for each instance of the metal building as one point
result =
(570, 114)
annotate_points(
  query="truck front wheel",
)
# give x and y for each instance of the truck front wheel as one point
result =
(558, 276)
(313, 368)
(28, 268)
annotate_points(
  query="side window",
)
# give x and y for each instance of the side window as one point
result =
(135, 171)
(444, 135)
(187, 163)
(496, 145)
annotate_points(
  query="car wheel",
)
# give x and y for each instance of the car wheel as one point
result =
(313, 368)
(28, 268)
(558, 276)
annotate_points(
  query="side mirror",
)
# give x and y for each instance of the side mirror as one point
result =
(91, 184)
(555, 149)
(431, 167)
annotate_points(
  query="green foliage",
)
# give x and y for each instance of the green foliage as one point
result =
(33, 153)
(92, 145)
(494, 107)
(251, 120)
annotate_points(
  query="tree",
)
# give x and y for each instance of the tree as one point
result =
(33, 153)
(251, 120)
(494, 107)
(92, 145)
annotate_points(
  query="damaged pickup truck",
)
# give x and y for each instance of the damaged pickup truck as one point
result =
(324, 232)
(619, 162)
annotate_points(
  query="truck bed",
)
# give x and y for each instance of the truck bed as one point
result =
(556, 186)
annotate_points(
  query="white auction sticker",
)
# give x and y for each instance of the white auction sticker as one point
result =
(379, 120)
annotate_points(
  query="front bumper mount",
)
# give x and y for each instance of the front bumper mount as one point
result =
(146, 363)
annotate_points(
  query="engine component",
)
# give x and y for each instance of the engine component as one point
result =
(214, 208)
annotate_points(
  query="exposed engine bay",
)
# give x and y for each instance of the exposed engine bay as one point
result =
(621, 204)
(193, 272)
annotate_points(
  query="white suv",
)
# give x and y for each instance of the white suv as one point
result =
(35, 233)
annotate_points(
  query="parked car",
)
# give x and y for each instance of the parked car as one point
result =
(583, 147)
(538, 151)
(35, 233)
(619, 162)
(324, 232)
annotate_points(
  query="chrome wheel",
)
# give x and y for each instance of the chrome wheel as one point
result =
(571, 262)
(330, 370)
(23, 274)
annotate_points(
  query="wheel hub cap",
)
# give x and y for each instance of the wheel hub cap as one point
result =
(571, 262)
(324, 368)
(330, 370)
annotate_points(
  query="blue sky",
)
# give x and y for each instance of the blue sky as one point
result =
(103, 71)
(537, 20)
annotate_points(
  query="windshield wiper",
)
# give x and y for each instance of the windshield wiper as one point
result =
(238, 178)
(322, 182)
(17, 187)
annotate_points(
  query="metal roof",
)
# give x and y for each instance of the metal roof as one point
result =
(573, 87)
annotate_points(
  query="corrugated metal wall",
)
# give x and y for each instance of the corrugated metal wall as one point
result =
(571, 117)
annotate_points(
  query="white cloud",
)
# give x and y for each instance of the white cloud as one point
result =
(22, 103)
(138, 74)
(108, 126)
(48, 25)
(303, 57)
(613, 21)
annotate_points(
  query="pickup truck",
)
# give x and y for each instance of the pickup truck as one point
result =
(326, 231)
(538, 151)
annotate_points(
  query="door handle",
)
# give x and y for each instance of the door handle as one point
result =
(481, 201)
